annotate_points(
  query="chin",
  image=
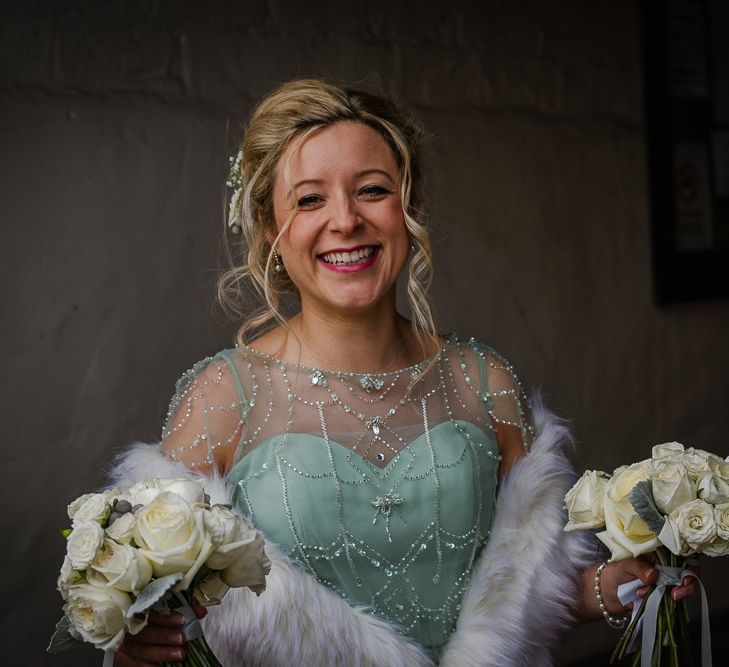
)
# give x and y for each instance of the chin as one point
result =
(356, 303)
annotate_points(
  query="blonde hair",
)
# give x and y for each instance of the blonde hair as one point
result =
(291, 113)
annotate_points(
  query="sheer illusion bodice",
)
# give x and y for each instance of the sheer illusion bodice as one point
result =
(382, 486)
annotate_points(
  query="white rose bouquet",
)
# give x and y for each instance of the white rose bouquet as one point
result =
(675, 506)
(153, 545)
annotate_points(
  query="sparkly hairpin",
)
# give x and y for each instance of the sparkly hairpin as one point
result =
(235, 181)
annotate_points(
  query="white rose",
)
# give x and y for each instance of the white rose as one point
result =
(584, 501)
(74, 506)
(718, 547)
(695, 523)
(670, 536)
(83, 542)
(697, 461)
(626, 533)
(97, 614)
(668, 450)
(68, 577)
(95, 508)
(173, 536)
(120, 566)
(249, 564)
(190, 489)
(241, 558)
(122, 530)
(143, 492)
(713, 485)
(721, 516)
(221, 523)
(672, 486)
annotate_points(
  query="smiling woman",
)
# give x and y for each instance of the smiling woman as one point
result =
(411, 497)
(341, 158)
(347, 243)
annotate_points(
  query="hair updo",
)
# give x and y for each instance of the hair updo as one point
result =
(293, 112)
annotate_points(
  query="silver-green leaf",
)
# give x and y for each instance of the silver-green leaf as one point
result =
(62, 638)
(154, 592)
(641, 498)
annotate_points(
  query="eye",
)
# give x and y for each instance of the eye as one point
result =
(374, 191)
(309, 201)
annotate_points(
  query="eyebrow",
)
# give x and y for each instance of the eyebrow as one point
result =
(360, 174)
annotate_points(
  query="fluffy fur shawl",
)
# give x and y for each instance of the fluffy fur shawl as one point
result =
(521, 598)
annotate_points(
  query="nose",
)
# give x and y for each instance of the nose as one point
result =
(344, 216)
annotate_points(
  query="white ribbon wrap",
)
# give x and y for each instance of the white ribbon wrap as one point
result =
(192, 628)
(667, 577)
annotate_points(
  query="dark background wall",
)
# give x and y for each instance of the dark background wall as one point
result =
(116, 120)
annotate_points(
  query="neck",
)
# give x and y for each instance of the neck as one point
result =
(370, 342)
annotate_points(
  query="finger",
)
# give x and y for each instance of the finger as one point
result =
(649, 576)
(171, 620)
(688, 584)
(159, 635)
(642, 570)
(643, 591)
(151, 653)
(689, 581)
(637, 568)
(684, 591)
(198, 608)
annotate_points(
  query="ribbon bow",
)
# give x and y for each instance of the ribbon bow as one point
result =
(667, 577)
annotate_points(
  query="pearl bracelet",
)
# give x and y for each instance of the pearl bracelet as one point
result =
(617, 622)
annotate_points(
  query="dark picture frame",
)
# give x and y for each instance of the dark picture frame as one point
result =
(686, 74)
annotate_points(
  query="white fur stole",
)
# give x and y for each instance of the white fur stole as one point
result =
(522, 596)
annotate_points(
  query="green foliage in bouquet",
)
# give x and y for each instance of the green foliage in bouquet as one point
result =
(641, 498)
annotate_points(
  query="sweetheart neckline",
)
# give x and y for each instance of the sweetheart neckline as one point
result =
(491, 440)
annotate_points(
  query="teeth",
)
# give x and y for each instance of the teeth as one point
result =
(348, 257)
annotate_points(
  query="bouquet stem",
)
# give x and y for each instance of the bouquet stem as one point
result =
(621, 647)
(671, 647)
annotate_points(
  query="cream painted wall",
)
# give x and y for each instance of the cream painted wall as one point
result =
(116, 122)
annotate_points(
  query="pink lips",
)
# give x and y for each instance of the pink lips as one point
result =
(353, 267)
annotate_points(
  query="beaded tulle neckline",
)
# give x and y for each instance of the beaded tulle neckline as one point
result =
(413, 369)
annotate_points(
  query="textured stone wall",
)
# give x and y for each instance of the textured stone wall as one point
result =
(116, 119)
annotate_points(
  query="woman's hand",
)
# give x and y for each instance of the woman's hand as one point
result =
(619, 573)
(161, 640)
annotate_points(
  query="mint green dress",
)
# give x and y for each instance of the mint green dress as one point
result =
(381, 486)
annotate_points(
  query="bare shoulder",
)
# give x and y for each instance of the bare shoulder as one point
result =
(271, 343)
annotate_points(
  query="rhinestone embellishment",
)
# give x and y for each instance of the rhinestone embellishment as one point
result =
(384, 504)
(369, 383)
(375, 424)
(318, 379)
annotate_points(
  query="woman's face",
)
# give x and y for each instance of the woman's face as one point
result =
(347, 243)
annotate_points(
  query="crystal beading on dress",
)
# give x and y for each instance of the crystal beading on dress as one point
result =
(382, 489)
